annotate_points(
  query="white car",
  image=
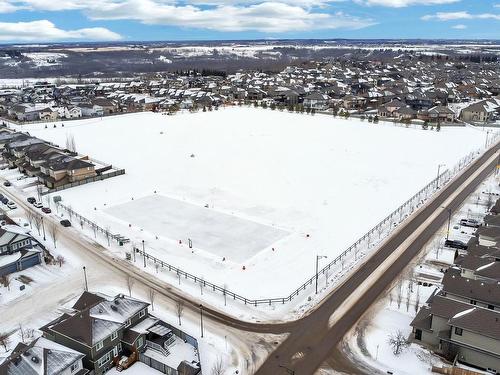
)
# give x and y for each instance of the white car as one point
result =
(12, 205)
(38, 205)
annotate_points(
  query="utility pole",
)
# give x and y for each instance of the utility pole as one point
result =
(449, 221)
(318, 257)
(85, 278)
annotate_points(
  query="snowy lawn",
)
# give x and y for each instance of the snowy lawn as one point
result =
(294, 186)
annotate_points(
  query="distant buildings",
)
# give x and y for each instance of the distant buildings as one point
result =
(433, 91)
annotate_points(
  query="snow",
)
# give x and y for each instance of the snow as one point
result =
(137, 368)
(216, 232)
(368, 341)
(306, 175)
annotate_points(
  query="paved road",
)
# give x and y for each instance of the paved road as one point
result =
(312, 338)
(312, 341)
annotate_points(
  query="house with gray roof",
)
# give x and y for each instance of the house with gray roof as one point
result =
(118, 331)
(43, 357)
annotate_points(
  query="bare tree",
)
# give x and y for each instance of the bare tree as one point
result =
(130, 284)
(54, 232)
(398, 342)
(60, 259)
(5, 280)
(152, 296)
(408, 297)
(399, 296)
(25, 334)
(225, 294)
(218, 368)
(4, 341)
(179, 308)
(107, 233)
(30, 216)
(37, 220)
(70, 143)
(417, 299)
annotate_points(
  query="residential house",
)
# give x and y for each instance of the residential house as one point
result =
(43, 357)
(16, 250)
(117, 331)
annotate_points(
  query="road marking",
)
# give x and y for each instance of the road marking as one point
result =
(384, 266)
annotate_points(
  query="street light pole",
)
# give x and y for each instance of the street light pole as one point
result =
(201, 320)
(85, 278)
(318, 257)
(449, 221)
(144, 253)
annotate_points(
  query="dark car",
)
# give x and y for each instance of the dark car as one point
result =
(47, 210)
(65, 223)
(7, 183)
(456, 244)
(1, 197)
(31, 200)
(5, 200)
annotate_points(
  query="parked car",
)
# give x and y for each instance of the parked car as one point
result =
(38, 204)
(65, 223)
(31, 200)
(456, 244)
(472, 223)
(5, 200)
(7, 183)
(12, 205)
(46, 210)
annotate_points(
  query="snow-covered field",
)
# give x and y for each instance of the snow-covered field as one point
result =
(395, 311)
(260, 193)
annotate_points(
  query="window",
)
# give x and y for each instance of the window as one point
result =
(104, 359)
(418, 334)
(128, 322)
(491, 307)
(114, 335)
(140, 341)
(458, 331)
(115, 352)
(472, 302)
(98, 346)
(142, 313)
(75, 366)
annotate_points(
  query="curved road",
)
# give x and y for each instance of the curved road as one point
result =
(312, 338)
(312, 341)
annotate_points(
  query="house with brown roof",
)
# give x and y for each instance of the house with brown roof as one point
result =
(118, 331)
(462, 321)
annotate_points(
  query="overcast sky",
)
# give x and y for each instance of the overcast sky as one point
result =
(136, 20)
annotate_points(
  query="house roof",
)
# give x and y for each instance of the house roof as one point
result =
(482, 321)
(479, 290)
(40, 357)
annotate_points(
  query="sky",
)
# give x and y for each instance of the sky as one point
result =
(38, 21)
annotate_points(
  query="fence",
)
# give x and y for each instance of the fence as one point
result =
(94, 226)
(409, 205)
(85, 181)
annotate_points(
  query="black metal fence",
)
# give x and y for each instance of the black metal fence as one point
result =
(395, 217)
(87, 180)
(95, 227)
